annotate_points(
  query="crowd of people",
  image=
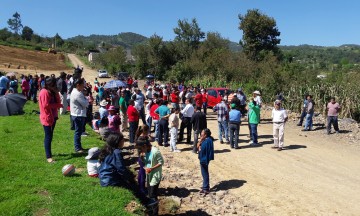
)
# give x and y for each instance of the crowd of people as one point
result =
(165, 111)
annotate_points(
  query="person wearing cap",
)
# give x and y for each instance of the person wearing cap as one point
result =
(93, 162)
(253, 119)
(198, 121)
(164, 112)
(114, 120)
(234, 126)
(279, 117)
(222, 113)
(102, 110)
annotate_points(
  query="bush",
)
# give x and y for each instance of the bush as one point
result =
(38, 48)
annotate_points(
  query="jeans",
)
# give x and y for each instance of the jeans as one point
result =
(132, 130)
(175, 105)
(196, 137)
(156, 125)
(163, 132)
(173, 138)
(223, 126)
(185, 123)
(205, 175)
(49, 131)
(234, 135)
(253, 133)
(303, 115)
(334, 121)
(149, 123)
(72, 126)
(205, 107)
(309, 121)
(33, 94)
(79, 123)
(142, 115)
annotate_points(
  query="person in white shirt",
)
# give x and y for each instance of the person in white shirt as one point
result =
(149, 93)
(78, 105)
(257, 98)
(187, 113)
(93, 162)
(279, 117)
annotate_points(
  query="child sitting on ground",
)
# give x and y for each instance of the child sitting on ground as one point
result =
(93, 162)
(96, 122)
(104, 128)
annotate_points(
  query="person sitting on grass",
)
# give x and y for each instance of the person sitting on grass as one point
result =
(112, 171)
(93, 162)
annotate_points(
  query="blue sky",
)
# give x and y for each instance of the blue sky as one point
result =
(315, 22)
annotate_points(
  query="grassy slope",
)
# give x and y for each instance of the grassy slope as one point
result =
(31, 186)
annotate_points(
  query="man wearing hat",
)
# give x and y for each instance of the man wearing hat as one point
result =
(279, 116)
(257, 97)
(234, 126)
(102, 110)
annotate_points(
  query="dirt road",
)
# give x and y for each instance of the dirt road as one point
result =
(315, 175)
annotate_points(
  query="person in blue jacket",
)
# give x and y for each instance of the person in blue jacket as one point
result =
(206, 154)
(112, 171)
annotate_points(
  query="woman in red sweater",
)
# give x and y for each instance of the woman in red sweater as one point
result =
(49, 103)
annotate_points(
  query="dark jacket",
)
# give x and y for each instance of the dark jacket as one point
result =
(198, 121)
(112, 169)
(236, 101)
(206, 153)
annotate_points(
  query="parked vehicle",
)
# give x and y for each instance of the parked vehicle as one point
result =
(123, 76)
(103, 74)
(215, 95)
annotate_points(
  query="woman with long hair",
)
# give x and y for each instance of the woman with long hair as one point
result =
(49, 103)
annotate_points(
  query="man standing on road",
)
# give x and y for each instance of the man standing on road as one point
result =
(279, 117)
(187, 113)
(242, 97)
(333, 111)
(309, 114)
(198, 121)
(254, 119)
(303, 113)
(164, 113)
(234, 126)
(222, 112)
(122, 110)
(62, 87)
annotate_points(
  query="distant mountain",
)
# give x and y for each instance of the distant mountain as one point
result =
(125, 39)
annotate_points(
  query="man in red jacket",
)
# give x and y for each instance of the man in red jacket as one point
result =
(133, 118)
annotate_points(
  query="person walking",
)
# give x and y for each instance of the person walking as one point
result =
(279, 118)
(78, 105)
(206, 154)
(309, 114)
(234, 126)
(198, 121)
(62, 87)
(222, 112)
(49, 102)
(187, 113)
(333, 111)
(254, 119)
(303, 113)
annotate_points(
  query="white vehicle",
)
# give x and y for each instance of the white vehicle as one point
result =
(103, 73)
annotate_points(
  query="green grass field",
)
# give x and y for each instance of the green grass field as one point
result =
(31, 186)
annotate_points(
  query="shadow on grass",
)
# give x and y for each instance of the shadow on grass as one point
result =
(227, 185)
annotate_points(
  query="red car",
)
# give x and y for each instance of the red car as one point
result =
(215, 95)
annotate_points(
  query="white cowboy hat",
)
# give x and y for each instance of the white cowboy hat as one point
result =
(257, 92)
(103, 103)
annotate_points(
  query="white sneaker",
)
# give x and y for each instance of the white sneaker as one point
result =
(177, 151)
(171, 150)
(84, 134)
(251, 142)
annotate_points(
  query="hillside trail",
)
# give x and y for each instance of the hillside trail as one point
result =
(315, 175)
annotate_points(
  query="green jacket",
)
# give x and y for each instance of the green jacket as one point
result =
(155, 176)
(254, 113)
